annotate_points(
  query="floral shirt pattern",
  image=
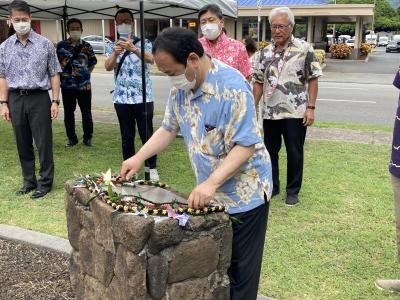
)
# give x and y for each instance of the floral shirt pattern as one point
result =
(229, 51)
(218, 116)
(285, 76)
(128, 85)
(28, 66)
(77, 62)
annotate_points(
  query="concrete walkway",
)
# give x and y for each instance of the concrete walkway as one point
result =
(313, 133)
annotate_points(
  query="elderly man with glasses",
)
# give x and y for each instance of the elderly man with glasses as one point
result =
(286, 75)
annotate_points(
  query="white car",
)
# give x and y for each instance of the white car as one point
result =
(96, 41)
(383, 41)
(350, 42)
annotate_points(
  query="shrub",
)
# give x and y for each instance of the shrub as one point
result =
(365, 48)
(320, 54)
(340, 50)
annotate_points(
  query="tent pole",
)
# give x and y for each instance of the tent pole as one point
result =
(142, 50)
(64, 23)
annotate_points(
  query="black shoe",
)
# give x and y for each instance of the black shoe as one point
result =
(88, 143)
(292, 200)
(275, 192)
(38, 194)
(24, 190)
(71, 143)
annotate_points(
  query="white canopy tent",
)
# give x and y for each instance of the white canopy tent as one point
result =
(106, 9)
(95, 9)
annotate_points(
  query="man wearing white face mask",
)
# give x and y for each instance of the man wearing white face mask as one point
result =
(77, 60)
(28, 69)
(124, 57)
(218, 45)
(211, 104)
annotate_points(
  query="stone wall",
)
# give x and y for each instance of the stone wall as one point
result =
(120, 256)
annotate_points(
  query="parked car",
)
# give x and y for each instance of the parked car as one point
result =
(350, 42)
(97, 42)
(393, 46)
(383, 41)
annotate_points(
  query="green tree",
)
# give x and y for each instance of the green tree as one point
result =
(386, 17)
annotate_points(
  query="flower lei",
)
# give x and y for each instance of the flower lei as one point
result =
(101, 187)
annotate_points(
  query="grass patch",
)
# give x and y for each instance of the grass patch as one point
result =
(352, 126)
(333, 245)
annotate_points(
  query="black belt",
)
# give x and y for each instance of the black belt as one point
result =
(26, 92)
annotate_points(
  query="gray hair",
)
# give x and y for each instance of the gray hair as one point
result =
(280, 11)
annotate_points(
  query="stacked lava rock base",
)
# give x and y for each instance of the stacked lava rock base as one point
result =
(120, 254)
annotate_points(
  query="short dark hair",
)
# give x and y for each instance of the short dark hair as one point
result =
(179, 42)
(19, 5)
(250, 45)
(123, 11)
(74, 20)
(212, 8)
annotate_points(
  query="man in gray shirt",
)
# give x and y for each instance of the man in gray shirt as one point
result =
(28, 69)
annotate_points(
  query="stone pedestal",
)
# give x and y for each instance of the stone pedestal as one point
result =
(120, 256)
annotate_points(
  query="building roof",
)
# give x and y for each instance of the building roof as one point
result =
(253, 3)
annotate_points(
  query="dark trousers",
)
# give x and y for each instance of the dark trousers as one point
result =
(294, 135)
(84, 99)
(247, 252)
(130, 115)
(31, 121)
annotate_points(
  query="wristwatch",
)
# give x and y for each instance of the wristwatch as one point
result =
(56, 101)
(310, 107)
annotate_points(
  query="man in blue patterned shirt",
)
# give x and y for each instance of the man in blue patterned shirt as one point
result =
(127, 98)
(77, 60)
(212, 105)
(28, 69)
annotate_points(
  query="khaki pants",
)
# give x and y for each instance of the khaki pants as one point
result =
(396, 190)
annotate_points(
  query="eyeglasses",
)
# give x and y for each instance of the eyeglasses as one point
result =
(280, 26)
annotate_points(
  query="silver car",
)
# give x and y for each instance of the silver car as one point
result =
(96, 41)
(393, 46)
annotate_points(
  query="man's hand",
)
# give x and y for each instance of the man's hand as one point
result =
(5, 112)
(128, 45)
(54, 110)
(308, 119)
(202, 194)
(130, 167)
(118, 48)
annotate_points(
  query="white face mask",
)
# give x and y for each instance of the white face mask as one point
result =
(211, 31)
(22, 27)
(180, 82)
(124, 29)
(76, 35)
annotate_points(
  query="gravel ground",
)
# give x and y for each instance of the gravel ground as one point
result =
(28, 272)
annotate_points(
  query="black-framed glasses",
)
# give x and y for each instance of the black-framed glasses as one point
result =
(279, 26)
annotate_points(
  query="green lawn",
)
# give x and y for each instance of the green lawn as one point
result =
(332, 246)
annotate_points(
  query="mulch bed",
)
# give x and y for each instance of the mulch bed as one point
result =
(27, 272)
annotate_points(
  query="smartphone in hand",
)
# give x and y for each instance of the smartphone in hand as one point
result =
(124, 36)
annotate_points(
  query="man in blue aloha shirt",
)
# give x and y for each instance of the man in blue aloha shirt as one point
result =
(127, 97)
(212, 105)
(77, 60)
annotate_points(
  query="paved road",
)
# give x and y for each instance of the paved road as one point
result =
(356, 92)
